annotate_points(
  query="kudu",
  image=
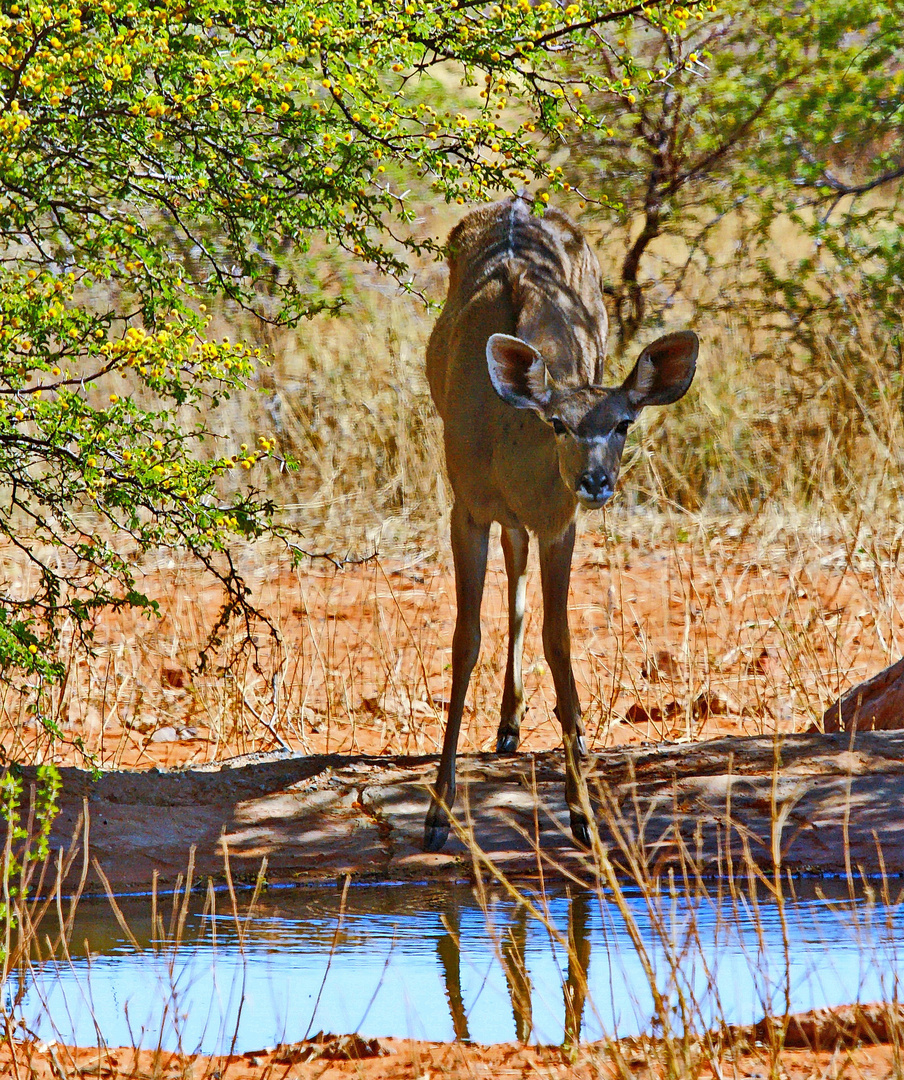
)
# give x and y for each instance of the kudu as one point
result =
(515, 366)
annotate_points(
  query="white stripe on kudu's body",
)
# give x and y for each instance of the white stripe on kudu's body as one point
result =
(515, 365)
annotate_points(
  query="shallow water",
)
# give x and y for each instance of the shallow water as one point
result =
(442, 963)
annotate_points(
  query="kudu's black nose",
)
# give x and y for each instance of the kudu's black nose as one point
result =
(595, 486)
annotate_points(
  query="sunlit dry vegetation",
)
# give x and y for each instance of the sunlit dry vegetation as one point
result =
(733, 176)
(743, 578)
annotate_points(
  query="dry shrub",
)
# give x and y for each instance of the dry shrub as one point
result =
(819, 433)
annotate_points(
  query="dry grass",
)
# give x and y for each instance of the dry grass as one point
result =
(684, 628)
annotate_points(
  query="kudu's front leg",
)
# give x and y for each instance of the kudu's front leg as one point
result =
(555, 575)
(469, 552)
(515, 544)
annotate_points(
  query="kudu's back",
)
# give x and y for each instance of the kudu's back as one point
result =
(512, 272)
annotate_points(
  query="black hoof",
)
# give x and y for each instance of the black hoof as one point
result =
(506, 742)
(580, 830)
(435, 836)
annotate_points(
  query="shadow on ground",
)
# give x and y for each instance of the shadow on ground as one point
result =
(821, 803)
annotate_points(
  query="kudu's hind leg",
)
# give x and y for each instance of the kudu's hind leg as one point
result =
(469, 552)
(515, 544)
(555, 575)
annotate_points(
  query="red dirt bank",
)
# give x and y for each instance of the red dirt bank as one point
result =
(860, 1042)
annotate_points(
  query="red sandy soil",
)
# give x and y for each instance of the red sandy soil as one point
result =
(681, 641)
(845, 1042)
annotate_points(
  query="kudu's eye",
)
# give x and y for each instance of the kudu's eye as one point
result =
(557, 426)
(622, 428)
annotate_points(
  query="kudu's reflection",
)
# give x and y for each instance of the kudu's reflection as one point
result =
(512, 954)
(513, 964)
(449, 949)
(575, 987)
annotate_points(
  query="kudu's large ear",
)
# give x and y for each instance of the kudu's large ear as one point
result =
(664, 370)
(517, 372)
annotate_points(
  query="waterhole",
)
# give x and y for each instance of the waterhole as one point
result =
(211, 975)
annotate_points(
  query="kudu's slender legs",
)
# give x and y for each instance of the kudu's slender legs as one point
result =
(515, 544)
(469, 553)
(555, 574)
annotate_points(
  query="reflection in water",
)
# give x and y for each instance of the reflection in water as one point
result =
(448, 949)
(578, 965)
(514, 966)
(435, 963)
(513, 957)
(514, 963)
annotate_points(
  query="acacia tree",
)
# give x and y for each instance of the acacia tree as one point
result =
(772, 111)
(155, 153)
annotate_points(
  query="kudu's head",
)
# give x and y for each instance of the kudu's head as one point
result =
(591, 422)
